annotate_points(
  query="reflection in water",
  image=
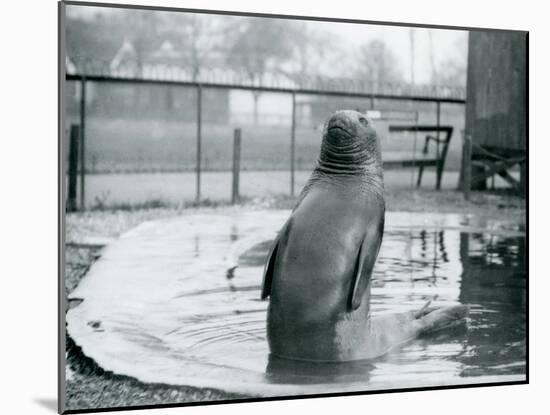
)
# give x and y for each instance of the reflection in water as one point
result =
(441, 242)
(494, 282)
(230, 274)
(163, 297)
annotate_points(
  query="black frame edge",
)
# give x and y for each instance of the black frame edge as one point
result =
(280, 16)
(61, 360)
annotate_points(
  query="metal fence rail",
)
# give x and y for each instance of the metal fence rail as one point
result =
(269, 82)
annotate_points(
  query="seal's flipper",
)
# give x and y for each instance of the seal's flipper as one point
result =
(425, 309)
(268, 270)
(443, 318)
(368, 252)
(270, 263)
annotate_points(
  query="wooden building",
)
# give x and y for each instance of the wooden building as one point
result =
(496, 106)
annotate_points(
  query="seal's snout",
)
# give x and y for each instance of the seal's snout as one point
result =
(346, 124)
(341, 126)
(339, 121)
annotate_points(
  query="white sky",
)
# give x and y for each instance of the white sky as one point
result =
(446, 43)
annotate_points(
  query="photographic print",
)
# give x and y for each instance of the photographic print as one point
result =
(257, 207)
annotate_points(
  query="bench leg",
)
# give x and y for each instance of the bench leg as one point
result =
(419, 180)
(439, 173)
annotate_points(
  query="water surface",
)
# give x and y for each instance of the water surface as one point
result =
(161, 305)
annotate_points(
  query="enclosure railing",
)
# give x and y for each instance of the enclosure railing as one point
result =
(84, 71)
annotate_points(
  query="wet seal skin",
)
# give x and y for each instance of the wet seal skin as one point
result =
(319, 268)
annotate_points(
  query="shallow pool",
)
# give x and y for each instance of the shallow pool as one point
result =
(163, 305)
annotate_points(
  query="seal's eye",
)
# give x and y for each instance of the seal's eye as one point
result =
(363, 121)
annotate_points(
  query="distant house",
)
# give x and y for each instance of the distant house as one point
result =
(148, 101)
(169, 102)
(166, 54)
(126, 60)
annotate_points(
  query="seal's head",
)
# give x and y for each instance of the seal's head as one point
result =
(348, 127)
(349, 141)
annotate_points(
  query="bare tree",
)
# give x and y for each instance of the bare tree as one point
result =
(434, 76)
(258, 46)
(141, 27)
(412, 50)
(96, 38)
(198, 37)
(377, 63)
(452, 71)
(314, 51)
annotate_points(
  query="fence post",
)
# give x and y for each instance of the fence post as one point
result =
(82, 142)
(467, 166)
(199, 141)
(73, 167)
(292, 144)
(236, 165)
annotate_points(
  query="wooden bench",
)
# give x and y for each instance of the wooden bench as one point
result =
(432, 133)
(488, 163)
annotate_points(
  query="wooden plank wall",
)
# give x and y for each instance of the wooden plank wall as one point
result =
(496, 102)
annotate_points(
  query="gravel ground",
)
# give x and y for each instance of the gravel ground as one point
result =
(498, 204)
(88, 386)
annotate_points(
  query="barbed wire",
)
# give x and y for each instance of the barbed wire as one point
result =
(85, 67)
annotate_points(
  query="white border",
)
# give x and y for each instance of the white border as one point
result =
(28, 218)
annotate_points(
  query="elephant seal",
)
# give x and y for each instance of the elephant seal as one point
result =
(318, 271)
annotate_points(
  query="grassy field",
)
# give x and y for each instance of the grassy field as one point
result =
(131, 145)
(179, 189)
(140, 161)
(89, 386)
